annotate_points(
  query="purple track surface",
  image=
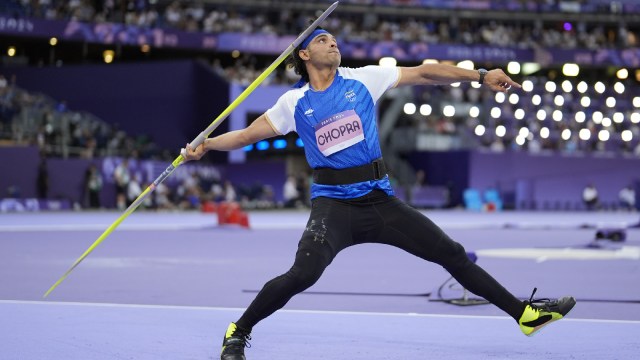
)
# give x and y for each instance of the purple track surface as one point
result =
(166, 285)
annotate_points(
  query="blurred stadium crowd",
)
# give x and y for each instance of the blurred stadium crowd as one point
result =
(555, 109)
(214, 17)
(37, 119)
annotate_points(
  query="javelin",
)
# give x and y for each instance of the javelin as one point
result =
(197, 141)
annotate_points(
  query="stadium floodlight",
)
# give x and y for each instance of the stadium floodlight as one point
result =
(618, 117)
(550, 86)
(425, 109)
(582, 87)
(541, 114)
(622, 74)
(584, 134)
(544, 132)
(409, 108)
(557, 115)
(529, 68)
(467, 64)
(536, 99)
(449, 110)
(570, 69)
(513, 67)
(558, 100)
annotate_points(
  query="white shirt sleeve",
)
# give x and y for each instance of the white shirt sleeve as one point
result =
(281, 114)
(377, 79)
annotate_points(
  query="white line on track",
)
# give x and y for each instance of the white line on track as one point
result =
(326, 312)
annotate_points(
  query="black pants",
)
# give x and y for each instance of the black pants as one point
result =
(374, 218)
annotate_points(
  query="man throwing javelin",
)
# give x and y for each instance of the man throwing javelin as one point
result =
(332, 109)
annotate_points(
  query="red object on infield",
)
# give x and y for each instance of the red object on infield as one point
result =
(230, 213)
(209, 207)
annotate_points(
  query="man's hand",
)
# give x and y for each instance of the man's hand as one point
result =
(190, 153)
(497, 80)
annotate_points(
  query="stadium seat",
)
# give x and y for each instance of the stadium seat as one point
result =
(492, 196)
(472, 200)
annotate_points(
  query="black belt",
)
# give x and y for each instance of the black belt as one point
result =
(373, 171)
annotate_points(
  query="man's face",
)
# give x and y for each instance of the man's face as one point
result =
(323, 49)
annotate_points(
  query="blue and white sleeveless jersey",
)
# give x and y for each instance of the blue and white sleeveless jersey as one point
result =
(338, 125)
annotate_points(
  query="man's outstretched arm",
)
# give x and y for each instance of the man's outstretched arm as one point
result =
(442, 74)
(260, 129)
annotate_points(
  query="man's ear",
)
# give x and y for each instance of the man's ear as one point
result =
(304, 54)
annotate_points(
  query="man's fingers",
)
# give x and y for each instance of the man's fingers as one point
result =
(187, 150)
(512, 83)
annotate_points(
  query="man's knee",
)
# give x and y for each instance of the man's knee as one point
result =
(307, 269)
(453, 255)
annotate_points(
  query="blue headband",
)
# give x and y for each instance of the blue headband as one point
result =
(313, 35)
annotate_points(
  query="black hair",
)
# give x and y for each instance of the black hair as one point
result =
(294, 61)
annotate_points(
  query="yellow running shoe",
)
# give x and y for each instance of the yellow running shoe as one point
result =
(541, 312)
(235, 340)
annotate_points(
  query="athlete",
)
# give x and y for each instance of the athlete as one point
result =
(332, 109)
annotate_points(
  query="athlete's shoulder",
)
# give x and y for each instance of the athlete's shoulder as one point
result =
(369, 70)
(292, 95)
(377, 79)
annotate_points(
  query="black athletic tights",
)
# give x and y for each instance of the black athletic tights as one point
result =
(374, 218)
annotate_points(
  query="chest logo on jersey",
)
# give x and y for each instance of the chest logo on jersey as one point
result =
(350, 95)
(338, 132)
(308, 112)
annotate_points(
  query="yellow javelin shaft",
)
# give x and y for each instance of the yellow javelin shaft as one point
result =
(104, 235)
(195, 143)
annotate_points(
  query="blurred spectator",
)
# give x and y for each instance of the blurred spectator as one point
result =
(590, 197)
(627, 197)
(163, 197)
(93, 187)
(290, 193)
(267, 198)
(229, 192)
(420, 179)
(122, 177)
(134, 189)
(217, 191)
(189, 192)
